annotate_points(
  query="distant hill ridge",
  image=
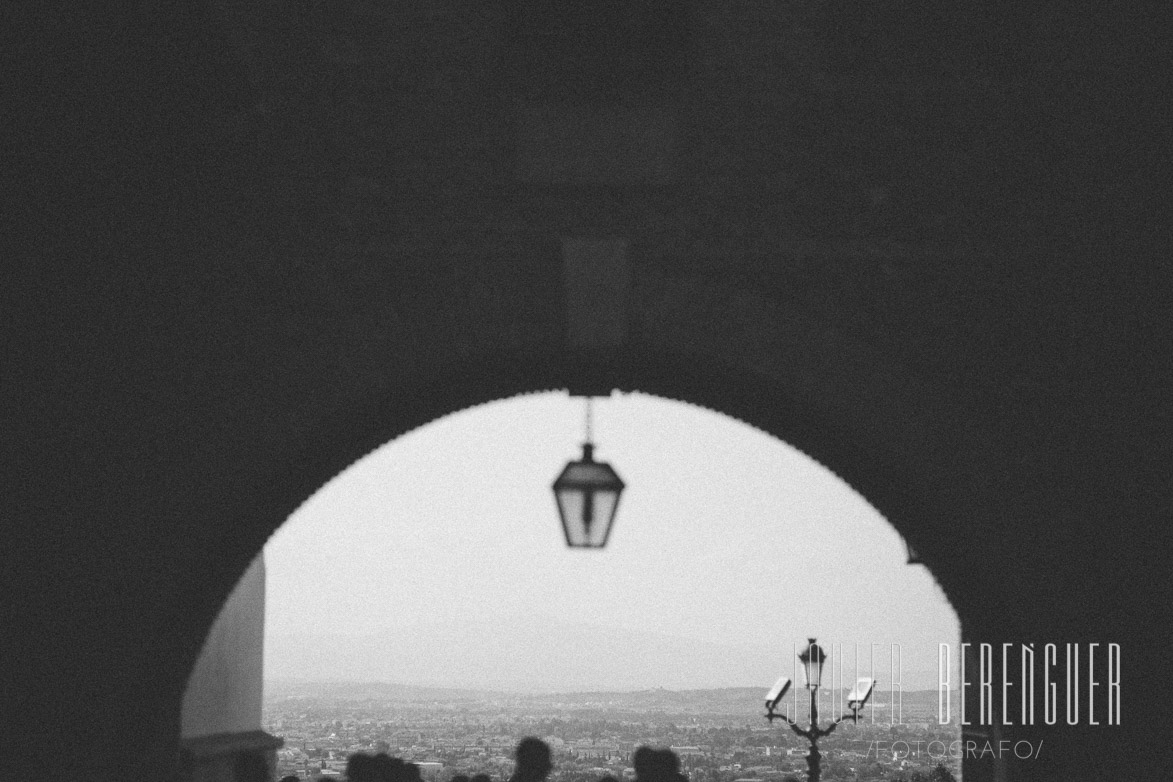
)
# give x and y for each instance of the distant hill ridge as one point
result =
(281, 688)
(545, 656)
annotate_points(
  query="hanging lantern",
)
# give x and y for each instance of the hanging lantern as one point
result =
(587, 493)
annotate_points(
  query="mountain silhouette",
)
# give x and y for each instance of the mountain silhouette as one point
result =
(541, 654)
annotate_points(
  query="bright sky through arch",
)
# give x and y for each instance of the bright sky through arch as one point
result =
(438, 559)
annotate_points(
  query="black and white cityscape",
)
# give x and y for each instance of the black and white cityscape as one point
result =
(718, 735)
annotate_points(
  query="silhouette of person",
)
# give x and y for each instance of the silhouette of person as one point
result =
(672, 766)
(533, 761)
(644, 763)
(656, 765)
(388, 769)
(361, 767)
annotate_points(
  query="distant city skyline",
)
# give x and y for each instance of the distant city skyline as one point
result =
(445, 543)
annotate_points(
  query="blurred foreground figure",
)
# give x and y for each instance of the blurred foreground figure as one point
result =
(656, 765)
(533, 761)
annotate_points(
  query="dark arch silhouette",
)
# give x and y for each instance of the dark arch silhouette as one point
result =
(742, 395)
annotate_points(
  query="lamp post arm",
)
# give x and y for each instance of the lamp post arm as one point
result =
(820, 732)
(772, 715)
(854, 717)
(806, 734)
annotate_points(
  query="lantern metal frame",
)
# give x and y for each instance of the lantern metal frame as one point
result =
(589, 478)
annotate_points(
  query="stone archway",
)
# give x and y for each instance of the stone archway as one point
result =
(330, 570)
(680, 377)
(230, 261)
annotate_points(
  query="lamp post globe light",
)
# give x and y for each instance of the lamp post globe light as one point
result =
(587, 494)
(813, 657)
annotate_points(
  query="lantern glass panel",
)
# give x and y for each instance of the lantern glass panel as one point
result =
(586, 523)
(858, 697)
(812, 659)
(813, 672)
(587, 493)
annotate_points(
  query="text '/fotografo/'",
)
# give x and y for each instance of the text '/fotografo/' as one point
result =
(940, 750)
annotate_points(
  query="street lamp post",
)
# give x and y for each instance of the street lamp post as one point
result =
(812, 659)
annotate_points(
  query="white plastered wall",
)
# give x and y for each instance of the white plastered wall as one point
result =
(227, 684)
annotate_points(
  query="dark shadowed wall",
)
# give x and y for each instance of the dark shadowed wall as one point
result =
(247, 243)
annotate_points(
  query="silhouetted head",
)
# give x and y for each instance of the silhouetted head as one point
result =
(656, 765)
(533, 760)
(250, 767)
(389, 769)
(644, 763)
(669, 762)
(361, 767)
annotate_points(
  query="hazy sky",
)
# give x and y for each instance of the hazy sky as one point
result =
(725, 536)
